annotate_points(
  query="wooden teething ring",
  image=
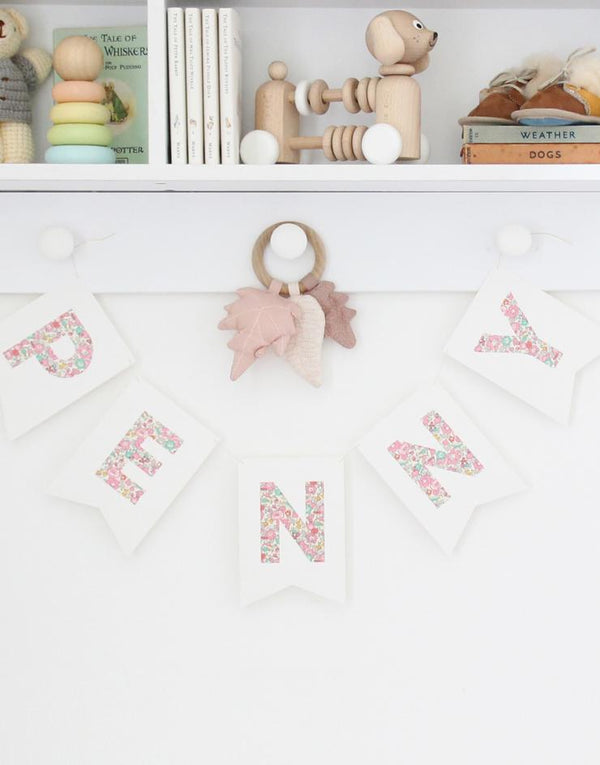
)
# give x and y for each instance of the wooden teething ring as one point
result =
(308, 281)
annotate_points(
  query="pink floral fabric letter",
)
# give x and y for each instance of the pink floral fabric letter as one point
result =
(39, 346)
(309, 534)
(417, 459)
(524, 340)
(130, 447)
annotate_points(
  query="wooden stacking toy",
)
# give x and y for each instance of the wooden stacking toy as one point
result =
(401, 43)
(80, 133)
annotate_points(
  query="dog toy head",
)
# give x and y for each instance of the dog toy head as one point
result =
(13, 30)
(398, 37)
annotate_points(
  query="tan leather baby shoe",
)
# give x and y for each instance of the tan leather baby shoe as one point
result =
(571, 97)
(509, 90)
(504, 95)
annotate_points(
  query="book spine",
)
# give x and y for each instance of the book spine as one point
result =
(177, 109)
(210, 61)
(523, 134)
(230, 70)
(194, 86)
(524, 154)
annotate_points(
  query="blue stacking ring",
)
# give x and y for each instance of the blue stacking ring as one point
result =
(80, 155)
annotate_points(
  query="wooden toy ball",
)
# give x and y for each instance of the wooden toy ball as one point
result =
(78, 58)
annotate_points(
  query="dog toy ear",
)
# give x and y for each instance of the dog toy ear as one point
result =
(20, 21)
(384, 42)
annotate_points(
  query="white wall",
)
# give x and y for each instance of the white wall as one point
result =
(490, 656)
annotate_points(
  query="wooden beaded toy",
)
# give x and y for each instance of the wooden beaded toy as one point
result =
(80, 134)
(401, 43)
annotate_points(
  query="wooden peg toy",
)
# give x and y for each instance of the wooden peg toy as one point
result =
(80, 133)
(401, 43)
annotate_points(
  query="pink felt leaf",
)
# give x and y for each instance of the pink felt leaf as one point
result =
(262, 320)
(337, 315)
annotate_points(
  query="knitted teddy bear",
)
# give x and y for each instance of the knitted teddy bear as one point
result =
(20, 75)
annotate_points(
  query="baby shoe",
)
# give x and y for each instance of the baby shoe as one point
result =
(510, 90)
(570, 97)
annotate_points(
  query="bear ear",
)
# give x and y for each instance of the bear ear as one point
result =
(384, 41)
(20, 21)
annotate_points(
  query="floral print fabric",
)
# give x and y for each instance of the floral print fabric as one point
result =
(454, 456)
(39, 345)
(525, 340)
(309, 534)
(131, 448)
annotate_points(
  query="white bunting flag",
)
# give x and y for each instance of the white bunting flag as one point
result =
(52, 352)
(292, 526)
(438, 463)
(526, 341)
(133, 465)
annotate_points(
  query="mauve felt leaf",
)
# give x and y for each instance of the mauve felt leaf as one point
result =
(262, 320)
(337, 315)
(305, 347)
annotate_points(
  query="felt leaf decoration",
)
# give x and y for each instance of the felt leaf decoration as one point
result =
(337, 315)
(305, 347)
(262, 320)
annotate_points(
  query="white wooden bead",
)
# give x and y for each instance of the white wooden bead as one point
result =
(301, 98)
(57, 243)
(514, 239)
(289, 241)
(382, 144)
(259, 147)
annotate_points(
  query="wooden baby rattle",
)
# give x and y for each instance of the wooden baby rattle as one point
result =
(292, 319)
(401, 43)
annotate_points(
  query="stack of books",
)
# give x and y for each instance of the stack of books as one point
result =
(520, 144)
(205, 69)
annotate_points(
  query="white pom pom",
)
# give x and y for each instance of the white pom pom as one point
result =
(57, 243)
(289, 241)
(259, 147)
(382, 144)
(514, 239)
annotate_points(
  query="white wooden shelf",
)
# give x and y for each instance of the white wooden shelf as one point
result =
(477, 39)
(314, 178)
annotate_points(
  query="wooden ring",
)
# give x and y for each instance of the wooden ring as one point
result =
(361, 95)
(308, 281)
(372, 92)
(347, 134)
(357, 142)
(349, 95)
(315, 96)
(327, 143)
(337, 143)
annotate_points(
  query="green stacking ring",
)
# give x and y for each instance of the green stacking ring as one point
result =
(74, 134)
(78, 112)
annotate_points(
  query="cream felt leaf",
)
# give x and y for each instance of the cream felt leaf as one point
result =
(304, 349)
(337, 315)
(262, 319)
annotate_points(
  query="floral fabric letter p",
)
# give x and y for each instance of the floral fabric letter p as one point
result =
(38, 345)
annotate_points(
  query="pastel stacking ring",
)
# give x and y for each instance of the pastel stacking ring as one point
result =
(74, 134)
(80, 155)
(78, 90)
(77, 112)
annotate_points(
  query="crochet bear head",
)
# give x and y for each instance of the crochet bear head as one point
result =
(13, 30)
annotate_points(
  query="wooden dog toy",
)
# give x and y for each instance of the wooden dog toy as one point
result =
(401, 43)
